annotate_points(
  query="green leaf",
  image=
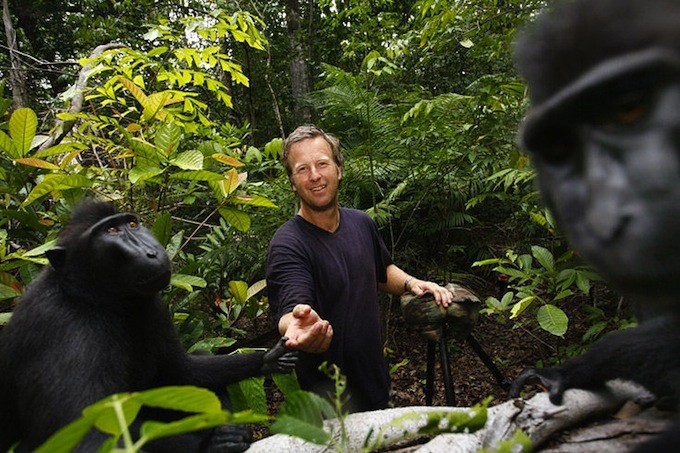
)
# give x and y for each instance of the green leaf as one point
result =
(189, 160)
(168, 138)
(184, 398)
(37, 163)
(254, 200)
(54, 183)
(238, 219)
(22, 127)
(106, 412)
(4, 318)
(198, 175)
(227, 160)
(7, 292)
(140, 174)
(67, 438)
(285, 424)
(239, 290)
(287, 383)
(544, 257)
(256, 288)
(253, 390)
(61, 148)
(7, 145)
(583, 282)
(302, 415)
(520, 306)
(187, 282)
(552, 319)
(162, 228)
(211, 344)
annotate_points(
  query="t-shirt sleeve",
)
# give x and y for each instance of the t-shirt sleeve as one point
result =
(289, 277)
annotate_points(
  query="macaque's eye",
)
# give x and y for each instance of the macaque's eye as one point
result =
(112, 230)
(133, 224)
(631, 109)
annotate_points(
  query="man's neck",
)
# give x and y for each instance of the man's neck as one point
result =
(328, 219)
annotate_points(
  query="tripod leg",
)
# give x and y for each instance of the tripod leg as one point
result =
(502, 380)
(446, 369)
(429, 377)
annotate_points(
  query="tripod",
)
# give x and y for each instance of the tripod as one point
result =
(503, 381)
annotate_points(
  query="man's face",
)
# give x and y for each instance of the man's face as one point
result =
(316, 176)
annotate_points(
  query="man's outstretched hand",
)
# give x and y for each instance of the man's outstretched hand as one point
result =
(305, 329)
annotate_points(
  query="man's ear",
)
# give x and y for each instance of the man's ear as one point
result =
(340, 173)
(56, 256)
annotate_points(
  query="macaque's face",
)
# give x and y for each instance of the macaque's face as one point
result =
(608, 157)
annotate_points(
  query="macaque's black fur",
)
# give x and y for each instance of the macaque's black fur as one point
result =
(556, 49)
(604, 134)
(93, 324)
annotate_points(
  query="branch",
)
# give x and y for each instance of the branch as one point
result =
(62, 128)
(16, 75)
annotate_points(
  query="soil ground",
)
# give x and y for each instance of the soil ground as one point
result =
(512, 348)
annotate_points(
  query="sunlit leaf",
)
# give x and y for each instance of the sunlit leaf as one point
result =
(37, 163)
(22, 126)
(238, 219)
(227, 160)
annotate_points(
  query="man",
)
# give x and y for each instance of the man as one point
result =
(324, 269)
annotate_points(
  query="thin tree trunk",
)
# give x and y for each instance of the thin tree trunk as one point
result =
(16, 73)
(62, 128)
(299, 71)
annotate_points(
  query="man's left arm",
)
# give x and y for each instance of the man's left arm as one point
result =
(399, 282)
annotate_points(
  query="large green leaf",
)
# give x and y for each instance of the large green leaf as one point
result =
(7, 145)
(544, 257)
(238, 219)
(187, 282)
(302, 415)
(22, 127)
(167, 139)
(189, 160)
(181, 398)
(239, 289)
(53, 183)
(197, 175)
(552, 319)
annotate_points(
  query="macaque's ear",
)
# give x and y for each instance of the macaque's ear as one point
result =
(56, 256)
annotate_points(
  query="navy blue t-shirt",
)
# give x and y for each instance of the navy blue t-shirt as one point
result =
(337, 274)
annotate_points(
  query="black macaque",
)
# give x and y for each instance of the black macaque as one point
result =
(93, 324)
(604, 134)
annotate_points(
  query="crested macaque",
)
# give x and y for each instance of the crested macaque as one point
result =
(603, 132)
(93, 324)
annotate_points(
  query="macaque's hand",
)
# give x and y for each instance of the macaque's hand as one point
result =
(280, 359)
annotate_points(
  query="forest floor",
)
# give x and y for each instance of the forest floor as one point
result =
(512, 348)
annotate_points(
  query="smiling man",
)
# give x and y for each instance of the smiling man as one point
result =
(324, 269)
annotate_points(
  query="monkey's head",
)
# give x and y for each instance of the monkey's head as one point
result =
(604, 133)
(105, 251)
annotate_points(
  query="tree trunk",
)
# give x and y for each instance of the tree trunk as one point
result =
(299, 71)
(16, 73)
